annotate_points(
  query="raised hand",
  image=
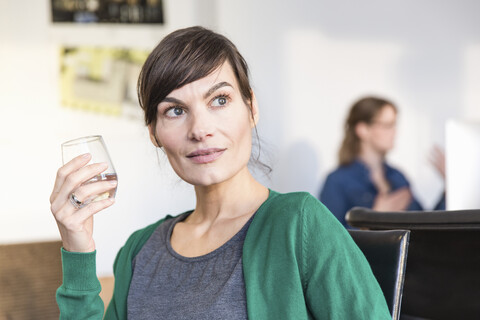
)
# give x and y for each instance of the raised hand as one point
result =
(74, 215)
(437, 159)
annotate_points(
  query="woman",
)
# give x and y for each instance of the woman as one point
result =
(364, 178)
(245, 250)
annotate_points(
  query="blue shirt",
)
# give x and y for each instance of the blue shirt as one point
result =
(351, 186)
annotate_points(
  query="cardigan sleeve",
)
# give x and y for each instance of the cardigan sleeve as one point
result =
(78, 296)
(338, 281)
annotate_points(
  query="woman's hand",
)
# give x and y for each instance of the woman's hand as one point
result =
(394, 201)
(76, 225)
(437, 159)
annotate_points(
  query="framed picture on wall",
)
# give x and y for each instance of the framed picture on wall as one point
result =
(107, 11)
(102, 80)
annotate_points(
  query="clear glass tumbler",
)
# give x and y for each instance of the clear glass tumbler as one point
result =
(96, 147)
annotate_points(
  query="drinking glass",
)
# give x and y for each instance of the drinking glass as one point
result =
(96, 147)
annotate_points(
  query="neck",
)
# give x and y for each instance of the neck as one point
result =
(237, 196)
(371, 157)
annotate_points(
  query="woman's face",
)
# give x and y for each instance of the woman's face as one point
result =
(381, 132)
(205, 128)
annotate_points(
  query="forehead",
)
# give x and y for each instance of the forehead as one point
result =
(386, 113)
(224, 73)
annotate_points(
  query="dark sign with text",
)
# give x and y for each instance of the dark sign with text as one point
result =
(107, 11)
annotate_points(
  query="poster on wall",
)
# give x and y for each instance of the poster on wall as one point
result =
(101, 79)
(107, 11)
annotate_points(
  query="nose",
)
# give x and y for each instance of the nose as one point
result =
(201, 125)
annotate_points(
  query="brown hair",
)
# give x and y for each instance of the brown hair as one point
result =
(364, 110)
(185, 56)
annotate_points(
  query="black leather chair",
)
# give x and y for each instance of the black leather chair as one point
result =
(442, 279)
(386, 251)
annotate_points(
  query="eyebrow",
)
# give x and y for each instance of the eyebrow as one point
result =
(172, 100)
(205, 96)
(216, 87)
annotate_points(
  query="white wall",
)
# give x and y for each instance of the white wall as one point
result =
(309, 61)
(33, 125)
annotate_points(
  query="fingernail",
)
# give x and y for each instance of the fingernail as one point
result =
(86, 155)
(113, 182)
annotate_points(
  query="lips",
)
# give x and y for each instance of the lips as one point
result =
(205, 155)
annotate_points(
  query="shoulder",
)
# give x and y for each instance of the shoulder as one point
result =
(298, 221)
(286, 202)
(344, 172)
(290, 209)
(291, 217)
(339, 180)
(290, 198)
(393, 169)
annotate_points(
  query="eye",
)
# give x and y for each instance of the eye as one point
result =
(220, 101)
(174, 112)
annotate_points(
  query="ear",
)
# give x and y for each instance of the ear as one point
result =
(255, 114)
(153, 138)
(361, 130)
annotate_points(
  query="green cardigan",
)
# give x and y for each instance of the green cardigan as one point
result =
(298, 263)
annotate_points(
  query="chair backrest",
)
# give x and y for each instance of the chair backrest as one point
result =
(30, 274)
(442, 279)
(386, 251)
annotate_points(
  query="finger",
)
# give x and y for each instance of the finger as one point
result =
(403, 204)
(402, 200)
(62, 173)
(439, 151)
(74, 180)
(76, 228)
(437, 155)
(73, 219)
(405, 195)
(93, 208)
(434, 157)
(88, 192)
(437, 160)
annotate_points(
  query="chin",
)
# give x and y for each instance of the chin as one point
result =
(386, 148)
(209, 175)
(203, 180)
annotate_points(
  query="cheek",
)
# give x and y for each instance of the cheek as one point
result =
(390, 135)
(380, 139)
(237, 121)
(242, 132)
(388, 139)
(169, 140)
(169, 145)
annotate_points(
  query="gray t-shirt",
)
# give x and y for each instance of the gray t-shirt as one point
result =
(166, 285)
